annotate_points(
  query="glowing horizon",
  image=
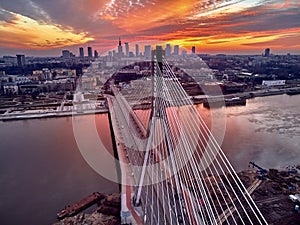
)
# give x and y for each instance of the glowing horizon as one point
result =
(223, 26)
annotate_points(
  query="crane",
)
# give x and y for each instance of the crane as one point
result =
(262, 171)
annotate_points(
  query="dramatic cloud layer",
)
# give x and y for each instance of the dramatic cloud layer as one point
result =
(231, 26)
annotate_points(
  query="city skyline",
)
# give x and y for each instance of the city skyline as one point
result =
(37, 28)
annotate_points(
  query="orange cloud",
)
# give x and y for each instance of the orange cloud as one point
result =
(154, 14)
(209, 25)
(27, 33)
(227, 29)
(251, 41)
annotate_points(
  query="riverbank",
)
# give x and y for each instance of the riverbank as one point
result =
(247, 94)
(37, 114)
(269, 191)
(107, 212)
(272, 194)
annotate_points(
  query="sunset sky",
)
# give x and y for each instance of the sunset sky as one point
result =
(39, 27)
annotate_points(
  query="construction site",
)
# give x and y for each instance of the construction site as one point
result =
(275, 193)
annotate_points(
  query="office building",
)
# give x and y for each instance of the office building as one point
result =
(81, 53)
(90, 53)
(267, 52)
(147, 52)
(168, 50)
(120, 49)
(96, 55)
(126, 49)
(65, 54)
(21, 60)
(193, 50)
(176, 50)
(137, 50)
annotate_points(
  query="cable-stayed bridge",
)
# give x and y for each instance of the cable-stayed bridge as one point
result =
(173, 171)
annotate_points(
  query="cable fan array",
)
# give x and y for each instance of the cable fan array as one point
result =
(180, 173)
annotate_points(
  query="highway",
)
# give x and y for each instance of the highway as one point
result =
(156, 192)
(128, 214)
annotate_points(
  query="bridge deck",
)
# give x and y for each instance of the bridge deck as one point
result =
(128, 214)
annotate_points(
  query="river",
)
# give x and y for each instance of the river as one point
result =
(266, 131)
(42, 168)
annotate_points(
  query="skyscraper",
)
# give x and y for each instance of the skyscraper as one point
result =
(176, 50)
(21, 60)
(110, 54)
(267, 52)
(90, 53)
(120, 49)
(193, 49)
(96, 55)
(147, 53)
(137, 51)
(66, 54)
(126, 49)
(168, 50)
(81, 53)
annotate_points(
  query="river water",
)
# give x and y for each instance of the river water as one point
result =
(42, 168)
(266, 131)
